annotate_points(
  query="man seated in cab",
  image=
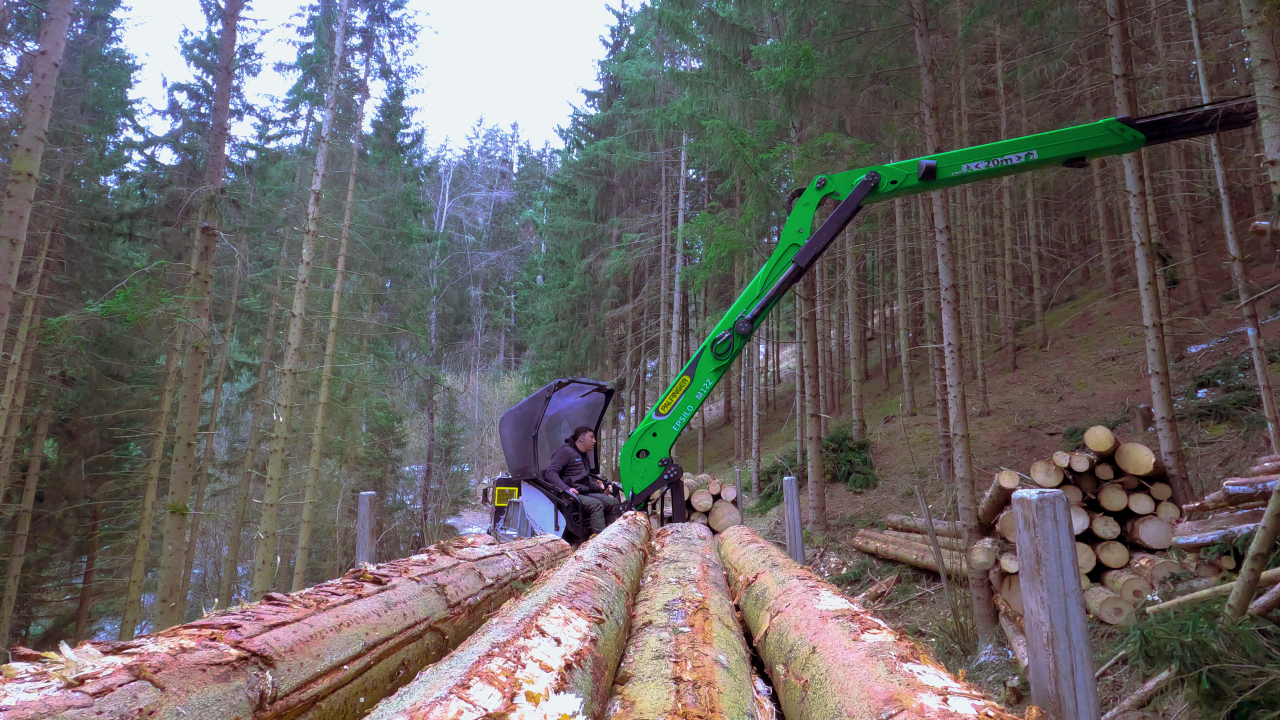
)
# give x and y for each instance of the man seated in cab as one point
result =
(570, 471)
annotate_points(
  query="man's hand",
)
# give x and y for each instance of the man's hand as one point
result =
(572, 491)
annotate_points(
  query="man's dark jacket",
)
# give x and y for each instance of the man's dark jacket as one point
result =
(569, 469)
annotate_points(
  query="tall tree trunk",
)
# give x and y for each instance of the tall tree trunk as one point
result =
(812, 404)
(18, 542)
(146, 519)
(980, 590)
(1007, 300)
(92, 541)
(19, 364)
(664, 274)
(206, 460)
(856, 403)
(1102, 219)
(264, 564)
(28, 148)
(977, 278)
(677, 300)
(1180, 197)
(756, 382)
(1259, 29)
(801, 371)
(1035, 243)
(231, 564)
(937, 362)
(302, 556)
(1157, 361)
(170, 603)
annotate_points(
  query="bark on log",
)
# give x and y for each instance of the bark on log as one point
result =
(1152, 568)
(1017, 641)
(724, 515)
(1265, 468)
(983, 555)
(560, 643)
(1266, 603)
(1190, 542)
(909, 553)
(830, 658)
(907, 523)
(946, 543)
(1233, 494)
(1138, 459)
(1140, 697)
(1100, 439)
(1269, 578)
(687, 656)
(1150, 532)
(1220, 521)
(1046, 474)
(1107, 606)
(331, 651)
(998, 495)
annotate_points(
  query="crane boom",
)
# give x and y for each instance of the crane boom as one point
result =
(645, 462)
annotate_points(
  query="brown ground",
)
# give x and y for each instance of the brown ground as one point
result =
(1094, 368)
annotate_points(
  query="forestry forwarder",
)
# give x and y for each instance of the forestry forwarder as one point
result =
(646, 464)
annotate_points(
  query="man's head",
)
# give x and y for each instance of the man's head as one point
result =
(583, 438)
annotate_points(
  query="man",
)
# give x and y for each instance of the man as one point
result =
(570, 471)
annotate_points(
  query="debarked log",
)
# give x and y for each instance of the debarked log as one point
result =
(829, 657)
(331, 651)
(907, 523)
(686, 656)
(551, 653)
(910, 553)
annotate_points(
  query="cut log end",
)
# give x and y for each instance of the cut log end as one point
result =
(1100, 439)
(1107, 606)
(1137, 459)
(1045, 474)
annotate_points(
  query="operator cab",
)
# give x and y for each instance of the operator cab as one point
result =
(524, 503)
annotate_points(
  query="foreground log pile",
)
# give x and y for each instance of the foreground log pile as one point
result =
(707, 501)
(332, 651)
(633, 625)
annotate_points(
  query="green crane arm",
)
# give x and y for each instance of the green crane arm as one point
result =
(646, 464)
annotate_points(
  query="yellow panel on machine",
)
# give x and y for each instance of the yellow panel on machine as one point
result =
(501, 495)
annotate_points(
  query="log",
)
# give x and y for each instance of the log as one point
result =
(1086, 558)
(1079, 519)
(1269, 578)
(1137, 459)
(1009, 563)
(562, 640)
(1191, 509)
(1234, 494)
(1265, 468)
(1268, 459)
(1131, 587)
(330, 651)
(1112, 497)
(1087, 482)
(1112, 554)
(1153, 568)
(907, 523)
(724, 515)
(1168, 511)
(1190, 542)
(698, 517)
(702, 500)
(1139, 698)
(729, 492)
(705, 479)
(1100, 439)
(1193, 563)
(1016, 640)
(686, 655)
(1219, 521)
(908, 553)
(1008, 587)
(1129, 482)
(828, 657)
(1266, 603)
(945, 543)
(1108, 606)
(714, 487)
(1141, 503)
(997, 497)
(984, 554)
(1160, 491)
(1150, 532)
(1104, 526)
(1226, 562)
(1062, 459)
(1046, 474)
(1005, 525)
(1105, 471)
(879, 590)
(1075, 495)
(1083, 462)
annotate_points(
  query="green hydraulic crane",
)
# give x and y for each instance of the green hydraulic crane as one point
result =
(646, 464)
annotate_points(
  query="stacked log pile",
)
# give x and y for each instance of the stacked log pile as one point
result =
(1122, 515)
(331, 651)
(707, 501)
(1226, 515)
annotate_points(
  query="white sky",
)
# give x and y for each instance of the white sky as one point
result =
(504, 60)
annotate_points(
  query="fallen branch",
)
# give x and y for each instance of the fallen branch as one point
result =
(1140, 697)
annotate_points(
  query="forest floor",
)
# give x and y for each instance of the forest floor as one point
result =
(1093, 369)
